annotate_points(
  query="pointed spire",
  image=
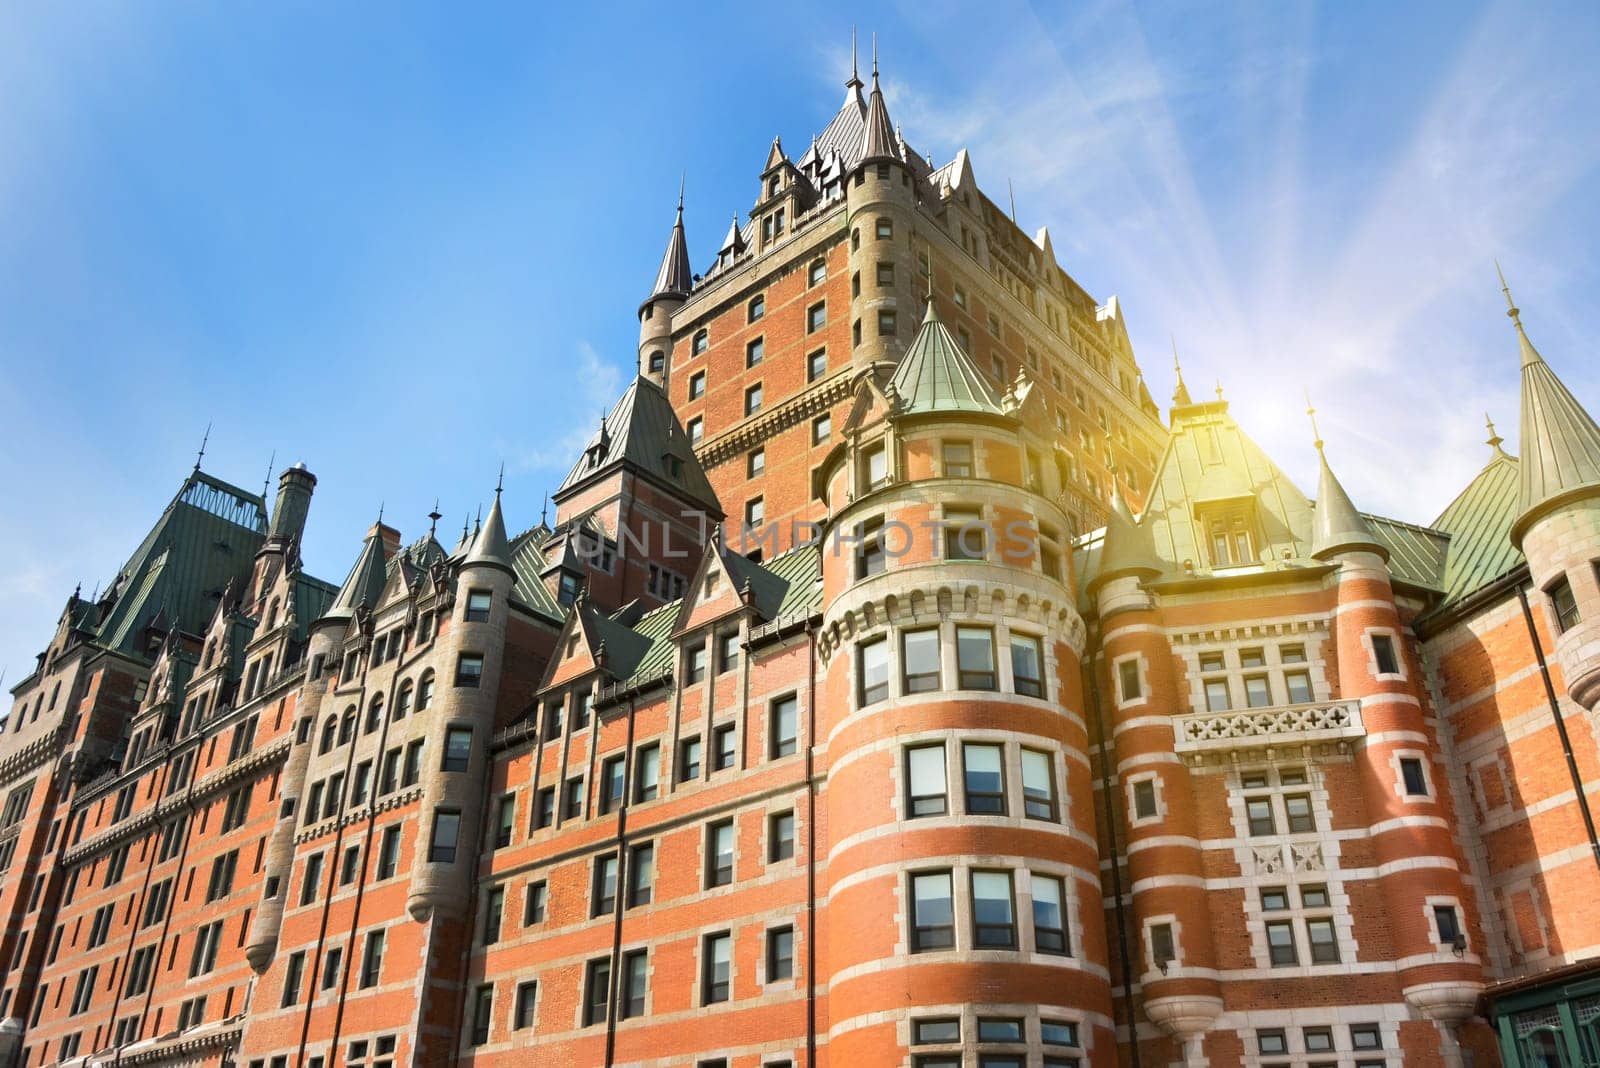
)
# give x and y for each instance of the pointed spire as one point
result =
(434, 517)
(365, 582)
(201, 455)
(491, 548)
(1180, 393)
(734, 243)
(675, 278)
(1336, 526)
(878, 141)
(1127, 549)
(936, 374)
(1494, 440)
(544, 510)
(266, 485)
(461, 545)
(854, 84)
(1559, 440)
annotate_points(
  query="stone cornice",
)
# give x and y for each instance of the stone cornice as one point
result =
(750, 433)
(356, 815)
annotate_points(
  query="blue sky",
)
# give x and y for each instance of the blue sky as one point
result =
(405, 242)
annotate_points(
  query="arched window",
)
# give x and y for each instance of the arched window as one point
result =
(702, 341)
(658, 362)
(272, 614)
(374, 714)
(402, 702)
(756, 308)
(211, 651)
(425, 691)
(330, 734)
(347, 725)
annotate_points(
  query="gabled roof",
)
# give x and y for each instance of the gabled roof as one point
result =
(936, 375)
(1479, 524)
(643, 431)
(1560, 441)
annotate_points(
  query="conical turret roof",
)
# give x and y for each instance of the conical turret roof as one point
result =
(936, 375)
(1560, 441)
(1336, 526)
(492, 548)
(675, 278)
(365, 582)
(878, 140)
(1128, 549)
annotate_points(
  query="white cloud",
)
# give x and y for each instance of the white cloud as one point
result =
(600, 384)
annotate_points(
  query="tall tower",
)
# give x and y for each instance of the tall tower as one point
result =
(673, 283)
(963, 881)
(1558, 520)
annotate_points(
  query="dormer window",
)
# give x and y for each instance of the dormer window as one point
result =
(673, 466)
(567, 591)
(1229, 537)
(772, 186)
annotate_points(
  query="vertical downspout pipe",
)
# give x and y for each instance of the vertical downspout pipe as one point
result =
(1109, 792)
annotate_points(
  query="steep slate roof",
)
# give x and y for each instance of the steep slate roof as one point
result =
(878, 140)
(642, 430)
(935, 375)
(365, 583)
(1416, 554)
(1479, 522)
(1560, 441)
(845, 132)
(492, 548)
(528, 564)
(1125, 546)
(206, 536)
(675, 278)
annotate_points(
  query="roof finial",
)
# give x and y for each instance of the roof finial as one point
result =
(380, 513)
(500, 483)
(1312, 412)
(1495, 440)
(1512, 310)
(544, 509)
(683, 178)
(434, 517)
(1219, 389)
(1180, 392)
(266, 486)
(202, 454)
(874, 59)
(1012, 193)
(855, 77)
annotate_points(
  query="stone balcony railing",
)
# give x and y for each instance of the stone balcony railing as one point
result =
(1324, 728)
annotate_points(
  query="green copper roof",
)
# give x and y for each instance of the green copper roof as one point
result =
(1416, 554)
(1126, 548)
(1560, 441)
(936, 375)
(1336, 526)
(1479, 524)
(528, 562)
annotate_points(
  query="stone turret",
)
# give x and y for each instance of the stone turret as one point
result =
(1558, 521)
(674, 281)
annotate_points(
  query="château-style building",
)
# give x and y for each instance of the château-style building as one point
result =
(893, 686)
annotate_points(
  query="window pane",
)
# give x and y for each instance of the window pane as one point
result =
(921, 655)
(1027, 672)
(1256, 692)
(984, 778)
(975, 658)
(1298, 684)
(874, 671)
(932, 915)
(1049, 924)
(1217, 699)
(925, 766)
(992, 912)
(1038, 786)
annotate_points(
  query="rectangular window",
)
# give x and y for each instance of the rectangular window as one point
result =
(1258, 813)
(1383, 652)
(389, 853)
(716, 968)
(932, 912)
(478, 602)
(887, 322)
(1027, 665)
(1565, 604)
(613, 783)
(1049, 915)
(991, 1029)
(635, 977)
(983, 764)
(719, 854)
(1280, 944)
(293, 972)
(1298, 683)
(469, 670)
(874, 468)
(688, 759)
(641, 874)
(727, 751)
(372, 960)
(572, 808)
(873, 666)
(603, 894)
(697, 385)
(919, 658)
(1256, 692)
(527, 998)
(821, 428)
(1217, 699)
(1144, 799)
(647, 772)
(1447, 924)
(925, 775)
(966, 535)
(313, 879)
(816, 317)
(457, 749)
(1128, 680)
(1297, 807)
(957, 457)
(780, 954)
(755, 351)
(446, 831)
(505, 821)
(494, 907)
(975, 658)
(780, 837)
(784, 728)
(935, 1032)
(697, 664)
(994, 919)
(1324, 946)
(1038, 786)
(885, 229)
(871, 558)
(755, 462)
(533, 907)
(755, 512)
(752, 399)
(886, 274)
(544, 808)
(596, 991)
(1411, 773)
(727, 652)
(816, 365)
